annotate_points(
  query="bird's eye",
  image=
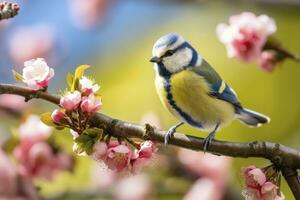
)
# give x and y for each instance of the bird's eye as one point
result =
(169, 53)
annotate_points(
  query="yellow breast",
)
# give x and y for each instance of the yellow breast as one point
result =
(190, 93)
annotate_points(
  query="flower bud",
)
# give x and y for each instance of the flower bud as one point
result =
(71, 100)
(87, 86)
(268, 61)
(57, 116)
(90, 104)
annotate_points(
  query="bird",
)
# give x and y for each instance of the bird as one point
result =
(191, 90)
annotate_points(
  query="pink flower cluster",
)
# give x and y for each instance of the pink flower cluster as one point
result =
(246, 36)
(258, 185)
(120, 157)
(35, 157)
(85, 99)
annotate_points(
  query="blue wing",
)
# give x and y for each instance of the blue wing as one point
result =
(227, 94)
(219, 89)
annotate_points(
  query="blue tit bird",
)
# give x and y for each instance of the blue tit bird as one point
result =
(193, 91)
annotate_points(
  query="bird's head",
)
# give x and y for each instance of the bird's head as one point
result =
(174, 53)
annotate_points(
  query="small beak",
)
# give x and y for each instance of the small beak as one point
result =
(155, 59)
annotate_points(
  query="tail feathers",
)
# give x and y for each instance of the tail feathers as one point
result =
(252, 118)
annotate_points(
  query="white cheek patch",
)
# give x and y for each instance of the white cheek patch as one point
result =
(158, 52)
(179, 60)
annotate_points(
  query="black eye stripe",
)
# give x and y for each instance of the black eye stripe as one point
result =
(169, 53)
(183, 45)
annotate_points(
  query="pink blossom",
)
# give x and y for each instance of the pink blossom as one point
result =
(254, 177)
(8, 176)
(57, 116)
(258, 187)
(70, 101)
(118, 156)
(246, 35)
(90, 104)
(147, 148)
(31, 42)
(268, 191)
(99, 151)
(88, 86)
(268, 61)
(34, 129)
(35, 159)
(142, 157)
(37, 74)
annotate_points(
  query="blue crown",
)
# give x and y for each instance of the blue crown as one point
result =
(167, 40)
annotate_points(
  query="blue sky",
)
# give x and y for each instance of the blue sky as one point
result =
(126, 22)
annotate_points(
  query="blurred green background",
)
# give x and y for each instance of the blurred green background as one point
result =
(119, 47)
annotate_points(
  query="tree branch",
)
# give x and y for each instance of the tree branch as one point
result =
(284, 157)
(292, 178)
(28, 93)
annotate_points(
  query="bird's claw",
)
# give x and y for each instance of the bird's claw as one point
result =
(171, 132)
(169, 135)
(207, 141)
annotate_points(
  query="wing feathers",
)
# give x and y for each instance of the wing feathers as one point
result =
(219, 88)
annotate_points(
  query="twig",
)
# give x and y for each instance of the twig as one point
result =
(282, 156)
(283, 52)
(8, 10)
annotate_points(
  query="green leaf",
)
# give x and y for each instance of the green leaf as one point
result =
(83, 138)
(94, 133)
(85, 143)
(75, 85)
(10, 144)
(70, 79)
(46, 119)
(80, 70)
(17, 76)
(78, 74)
(88, 148)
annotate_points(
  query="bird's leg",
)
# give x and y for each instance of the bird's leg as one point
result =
(171, 132)
(209, 138)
